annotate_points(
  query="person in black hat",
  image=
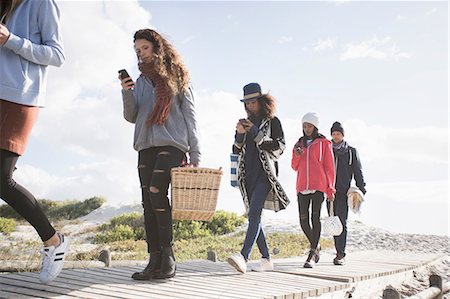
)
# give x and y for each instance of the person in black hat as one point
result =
(348, 166)
(259, 141)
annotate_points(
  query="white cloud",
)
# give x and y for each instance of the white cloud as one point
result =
(430, 192)
(341, 2)
(378, 143)
(375, 48)
(431, 11)
(401, 18)
(323, 44)
(285, 39)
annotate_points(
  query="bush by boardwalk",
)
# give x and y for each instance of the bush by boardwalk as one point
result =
(130, 226)
(7, 225)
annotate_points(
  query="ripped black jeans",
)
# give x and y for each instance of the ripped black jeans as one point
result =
(154, 165)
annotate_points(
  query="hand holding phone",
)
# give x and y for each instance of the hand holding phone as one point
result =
(244, 122)
(127, 82)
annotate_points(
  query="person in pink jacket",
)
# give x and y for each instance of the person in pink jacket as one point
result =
(312, 159)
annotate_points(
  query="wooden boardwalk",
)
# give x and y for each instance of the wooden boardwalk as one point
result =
(205, 279)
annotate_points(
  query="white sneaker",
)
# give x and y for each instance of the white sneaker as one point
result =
(264, 265)
(238, 262)
(53, 260)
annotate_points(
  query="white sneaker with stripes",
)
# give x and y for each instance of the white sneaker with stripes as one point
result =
(53, 260)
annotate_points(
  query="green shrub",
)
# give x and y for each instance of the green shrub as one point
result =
(189, 229)
(57, 210)
(7, 225)
(224, 223)
(134, 219)
(118, 233)
(119, 228)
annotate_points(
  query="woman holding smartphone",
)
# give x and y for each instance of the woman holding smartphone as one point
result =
(30, 41)
(312, 159)
(161, 105)
(259, 141)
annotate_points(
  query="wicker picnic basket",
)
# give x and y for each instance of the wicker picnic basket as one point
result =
(194, 192)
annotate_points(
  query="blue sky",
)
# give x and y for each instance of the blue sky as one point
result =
(381, 68)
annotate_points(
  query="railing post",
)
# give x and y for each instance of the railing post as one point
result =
(105, 256)
(212, 256)
(391, 293)
(436, 281)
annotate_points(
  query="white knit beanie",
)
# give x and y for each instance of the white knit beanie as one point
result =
(312, 118)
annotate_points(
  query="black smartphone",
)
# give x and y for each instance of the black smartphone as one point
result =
(124, 74)
(244, 122)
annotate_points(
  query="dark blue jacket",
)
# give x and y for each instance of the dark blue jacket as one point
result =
(348, 167)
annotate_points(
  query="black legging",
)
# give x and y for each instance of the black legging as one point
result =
(154, 165)
(304, 201)
(20, 199)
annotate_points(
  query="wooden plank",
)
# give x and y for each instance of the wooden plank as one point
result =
(244, 280)
(31, 293)
(71, 285)
(88, 280)
(261, 274)
(126, 285)
(51, 290)
(204, 277)
(208, 284)
(238, 280)
(198, 283)
(7, 295)
(185, 289)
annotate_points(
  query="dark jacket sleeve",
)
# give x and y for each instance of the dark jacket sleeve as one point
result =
(277, 136)
(239, 140)
(357, 171)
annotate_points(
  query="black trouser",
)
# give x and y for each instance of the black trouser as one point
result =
(304, 201)
(20, 199)
(154, 165)
(341, 210)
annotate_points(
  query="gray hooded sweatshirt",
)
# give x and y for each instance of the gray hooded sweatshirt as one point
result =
(179, 130)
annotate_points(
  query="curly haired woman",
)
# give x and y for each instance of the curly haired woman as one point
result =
(161, 105)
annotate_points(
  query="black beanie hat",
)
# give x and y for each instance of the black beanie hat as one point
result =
(337, 127)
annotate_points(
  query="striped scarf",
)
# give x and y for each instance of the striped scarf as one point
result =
(161, 110)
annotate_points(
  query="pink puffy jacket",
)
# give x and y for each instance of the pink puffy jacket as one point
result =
(315, 167)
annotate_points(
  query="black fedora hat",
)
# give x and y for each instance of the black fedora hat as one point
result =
(252, 91)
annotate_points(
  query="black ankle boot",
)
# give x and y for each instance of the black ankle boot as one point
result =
(168, 265)
(152, 269)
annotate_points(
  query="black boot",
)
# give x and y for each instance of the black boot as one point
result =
(152, 269)
(168, 265)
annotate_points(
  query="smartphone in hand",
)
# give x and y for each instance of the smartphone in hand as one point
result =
(244, 122)
(124, 74)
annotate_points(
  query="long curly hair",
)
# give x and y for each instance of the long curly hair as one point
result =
(166, 61)
(267, 105)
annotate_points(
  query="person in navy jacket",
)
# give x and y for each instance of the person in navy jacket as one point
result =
(348, 166)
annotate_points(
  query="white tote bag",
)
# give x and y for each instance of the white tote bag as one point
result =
(332, 226)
